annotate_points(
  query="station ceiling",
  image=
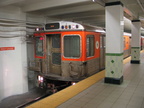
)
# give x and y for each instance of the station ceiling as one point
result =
(90, 12)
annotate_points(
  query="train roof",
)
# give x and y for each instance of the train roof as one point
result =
(72, 26)
(69, 26)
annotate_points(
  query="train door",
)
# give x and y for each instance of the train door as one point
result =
(102, 52)
(53, 53)
(92, 52)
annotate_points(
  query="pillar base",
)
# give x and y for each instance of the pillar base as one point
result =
(135, 62)
(113, 80)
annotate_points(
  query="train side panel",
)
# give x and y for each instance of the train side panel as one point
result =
(92, 54)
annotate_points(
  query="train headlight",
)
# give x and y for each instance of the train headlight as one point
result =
(73, 83)
(77, 26)
(66, 27)
(69, 26)
(40, 78)
(62, 27)
(73, 26)
(37, 29)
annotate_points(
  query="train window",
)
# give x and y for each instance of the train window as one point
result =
(56, 40)
(72, 46)
(56, 58)
(90, 45)
(39, 46)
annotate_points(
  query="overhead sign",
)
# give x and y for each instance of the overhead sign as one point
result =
(6, 48)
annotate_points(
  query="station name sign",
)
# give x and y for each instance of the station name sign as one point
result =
(6, 48)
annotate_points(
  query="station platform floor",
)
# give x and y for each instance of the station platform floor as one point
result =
(94, 93)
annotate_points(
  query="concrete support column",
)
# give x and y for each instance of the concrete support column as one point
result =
(114, 43)
(135, 43)
(13, 52)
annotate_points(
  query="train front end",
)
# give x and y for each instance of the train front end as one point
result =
(64, 51)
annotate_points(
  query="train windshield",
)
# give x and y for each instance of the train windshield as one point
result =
(72, 46)
(39, 46)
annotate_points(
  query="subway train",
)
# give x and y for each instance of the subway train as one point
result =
(69, 51)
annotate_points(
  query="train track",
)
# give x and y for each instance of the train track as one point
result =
(48, 93)
(33, 101)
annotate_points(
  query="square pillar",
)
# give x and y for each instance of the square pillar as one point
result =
(135, 42)
(114, 43)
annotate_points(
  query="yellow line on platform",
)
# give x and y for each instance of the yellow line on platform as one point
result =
(60, 97)
(126, 60)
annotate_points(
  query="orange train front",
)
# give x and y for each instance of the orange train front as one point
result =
(68, 51)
